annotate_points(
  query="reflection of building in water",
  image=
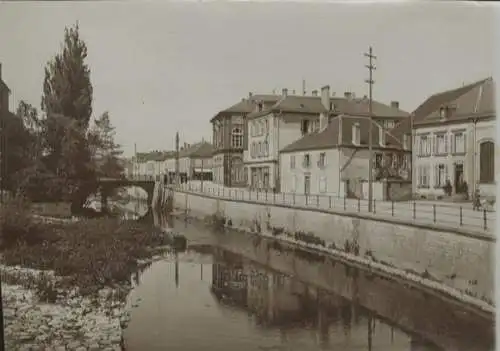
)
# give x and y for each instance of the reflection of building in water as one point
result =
(228, 280)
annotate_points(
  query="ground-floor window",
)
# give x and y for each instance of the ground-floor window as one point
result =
(423, 175)
(260, 177)
(487, 162)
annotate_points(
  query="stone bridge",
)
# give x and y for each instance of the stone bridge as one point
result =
(108, 185)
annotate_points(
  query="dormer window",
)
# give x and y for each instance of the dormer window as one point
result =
(304, 127)
(356, 134)
(260, 106)
(443, 111)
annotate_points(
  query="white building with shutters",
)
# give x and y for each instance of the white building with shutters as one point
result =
(454, 139)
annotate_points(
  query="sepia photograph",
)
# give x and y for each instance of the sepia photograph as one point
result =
(248, 175)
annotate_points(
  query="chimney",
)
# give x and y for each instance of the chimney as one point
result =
(325, 101)
(314, 93)
(284, 92)
(250, 95)
(348, 95)
(325, 97)
(395, 104)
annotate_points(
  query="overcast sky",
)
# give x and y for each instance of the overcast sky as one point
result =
(160, 67)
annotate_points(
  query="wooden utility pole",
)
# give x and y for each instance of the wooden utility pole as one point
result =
(370, 82)
(303, 87)
(177, 175)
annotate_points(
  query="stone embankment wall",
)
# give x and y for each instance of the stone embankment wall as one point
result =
(458, 261)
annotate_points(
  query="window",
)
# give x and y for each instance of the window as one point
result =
(259, 149)
(237, 138)
(261, 128)
(322, 160)
(304, 126)
(390, 124)
(315, 126)
(266, 126)
(487, 162)
(260, 106)
(459, 143)
(253, 150)
(292, 161)
(424, 146)
(381, 135)
(252, 129)
(405, 142)
(306, 162)
(442, 112)
(441, 144)
(322, 184)
(266, 149)
(356, 134)
(440, 175)
(423, 176)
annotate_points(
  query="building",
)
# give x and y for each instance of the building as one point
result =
(151, 164)
(335, 160)
(454, 133)
(195, 161)
(295, 117)
(270, 129)
(230, 139)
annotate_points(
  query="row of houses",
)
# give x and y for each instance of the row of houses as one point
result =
(319, 144)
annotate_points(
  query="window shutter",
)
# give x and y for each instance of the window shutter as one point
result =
(452, 144)
(464, 142)
(445, 173)
(436, 176)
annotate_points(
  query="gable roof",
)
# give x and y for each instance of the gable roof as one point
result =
(342, 126)
(201, 149)
(154, 156)
(341, 105)
(247, 105)
(470, 100)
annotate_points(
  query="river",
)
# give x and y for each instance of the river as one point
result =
(232, 291)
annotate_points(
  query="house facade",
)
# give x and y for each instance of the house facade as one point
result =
(230, 139)
(454, 141)
(271, 129)
(336, 160)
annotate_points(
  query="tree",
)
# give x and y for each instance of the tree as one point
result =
(105, 152)
(67, 103)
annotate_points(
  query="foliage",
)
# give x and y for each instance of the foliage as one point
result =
(53, 156)
(105, 152)
(89, 254)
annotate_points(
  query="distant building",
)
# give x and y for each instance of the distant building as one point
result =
(4, 93)
(454, 140)
(230, 139)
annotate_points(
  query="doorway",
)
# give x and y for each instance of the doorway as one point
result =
(459, 176)
(307, 184)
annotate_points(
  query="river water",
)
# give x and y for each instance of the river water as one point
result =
(233, 291)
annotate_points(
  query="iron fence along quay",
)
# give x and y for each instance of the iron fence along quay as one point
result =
(450, 215)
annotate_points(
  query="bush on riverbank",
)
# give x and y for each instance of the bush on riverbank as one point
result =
(88, 254)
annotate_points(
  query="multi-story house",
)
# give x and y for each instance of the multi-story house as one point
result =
(230, 139)
(295, 117)
(195, 161)
(272, 128)
(335, 160)
(454, 141)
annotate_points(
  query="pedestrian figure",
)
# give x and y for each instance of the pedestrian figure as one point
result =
(476, 200)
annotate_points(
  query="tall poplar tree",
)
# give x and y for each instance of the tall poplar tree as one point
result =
(67, 103)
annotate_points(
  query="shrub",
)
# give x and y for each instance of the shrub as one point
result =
(17, 224)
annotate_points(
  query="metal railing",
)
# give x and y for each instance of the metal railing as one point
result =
(454, 215)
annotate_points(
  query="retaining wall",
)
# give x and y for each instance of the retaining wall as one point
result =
(464, 262)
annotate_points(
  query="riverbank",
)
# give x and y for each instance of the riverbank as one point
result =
(436, 261)
(65, 283)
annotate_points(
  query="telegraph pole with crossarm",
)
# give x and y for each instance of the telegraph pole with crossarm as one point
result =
(370, 82)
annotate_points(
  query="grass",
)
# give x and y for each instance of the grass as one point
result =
(52, 209)
(89, 254)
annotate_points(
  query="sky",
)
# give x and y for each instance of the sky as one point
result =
(161, 67)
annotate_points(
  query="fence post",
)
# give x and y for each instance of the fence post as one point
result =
(374, 206)
(283, 199)
(485, 218)
(274, 198)
(218, 192)
(392, 207)
(434, 212)
(317, 200)
(266, 195)
(293, 199)
(345, 205)
(359, 204)
(329, 201)
(461, 217)
(257, 194)
(414, 210)
(306, 199)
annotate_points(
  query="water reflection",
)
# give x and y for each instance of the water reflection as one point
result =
(260, 295)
